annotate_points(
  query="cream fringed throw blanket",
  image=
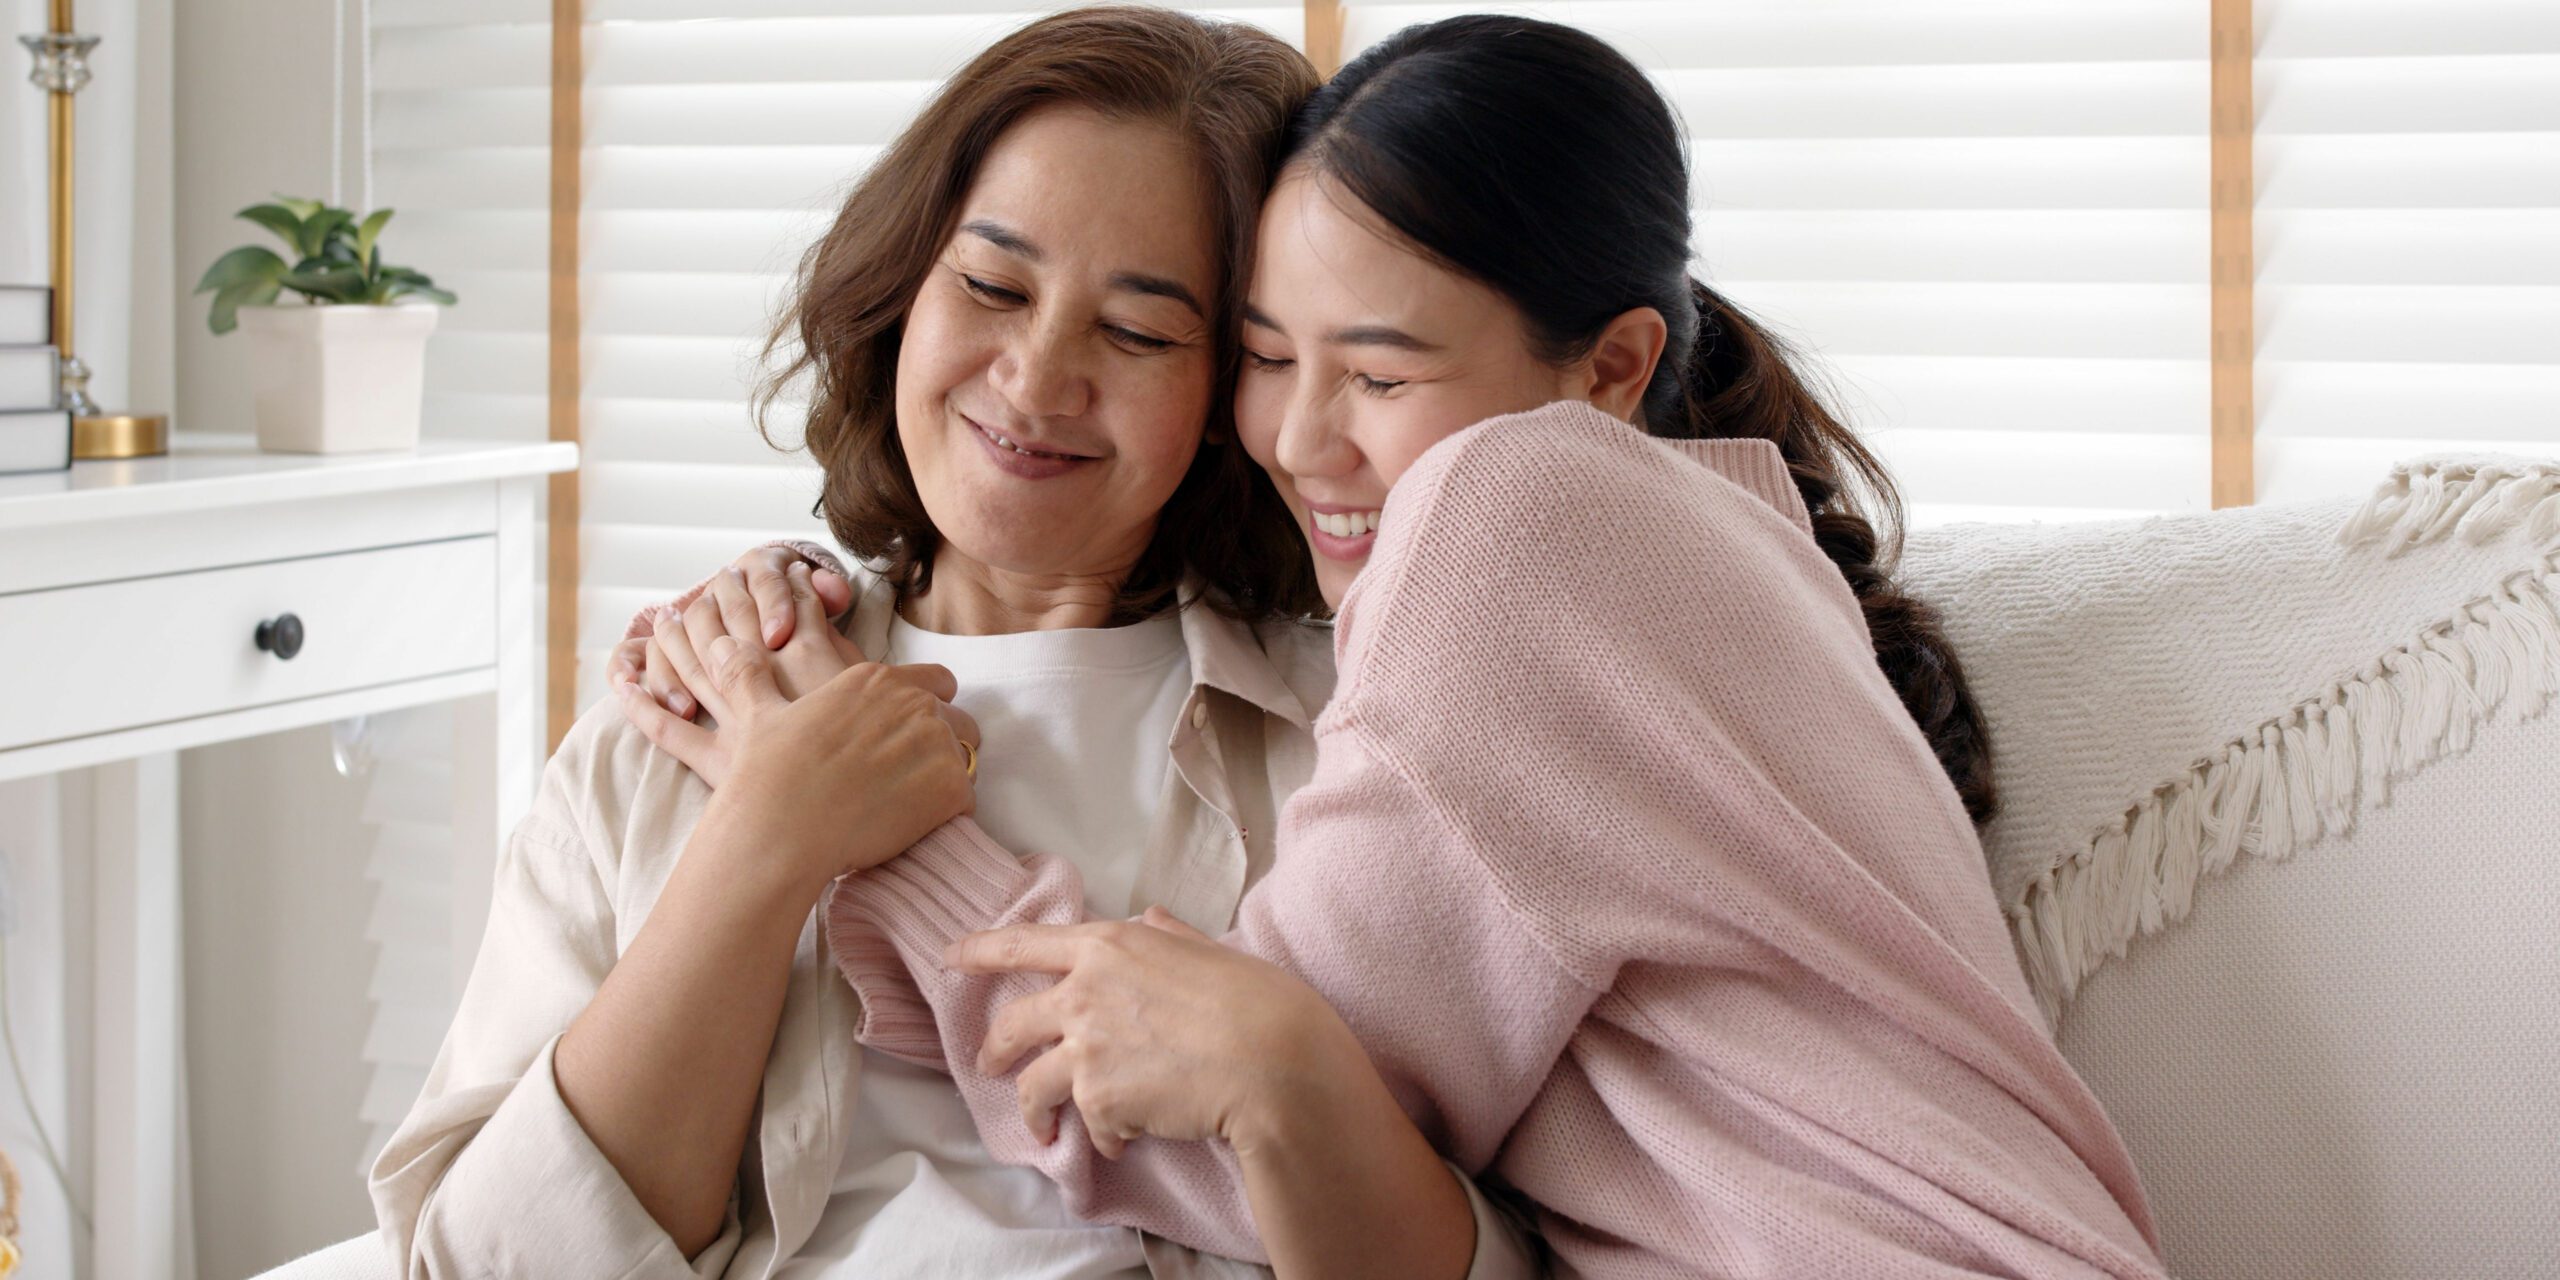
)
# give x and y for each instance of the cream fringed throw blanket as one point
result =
(2140, 749)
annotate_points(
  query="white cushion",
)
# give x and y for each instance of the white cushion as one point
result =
(366, 1257)
(2340, 1064)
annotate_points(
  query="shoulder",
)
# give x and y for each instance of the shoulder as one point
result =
(1570, 467)
(1539, 528)
(616, 797)
(1301, 653)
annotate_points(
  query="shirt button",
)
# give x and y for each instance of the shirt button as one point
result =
(1199, 715)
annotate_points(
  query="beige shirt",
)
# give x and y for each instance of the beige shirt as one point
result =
(490, 1175)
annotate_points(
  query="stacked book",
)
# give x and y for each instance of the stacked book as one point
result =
(35, 430)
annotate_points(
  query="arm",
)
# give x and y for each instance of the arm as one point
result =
(662, 1068)
(491, 1171)
(1368, 880)
(613, 1147)
(1298, 1182)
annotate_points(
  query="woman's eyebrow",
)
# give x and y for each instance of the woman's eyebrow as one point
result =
(1002, 237)
(1378, 335)
(1366, 335)
(1158, 287)
(1014, 242)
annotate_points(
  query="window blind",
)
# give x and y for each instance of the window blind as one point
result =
(1985, 225)
(1984, 221)
(2408, 235)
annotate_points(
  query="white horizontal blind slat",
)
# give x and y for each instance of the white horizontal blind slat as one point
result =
(2408, 235)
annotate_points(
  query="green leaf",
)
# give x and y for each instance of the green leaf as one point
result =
(324, 228)
(253, 293)
(301, 208)
(276, 218)
(336, 284)
(248, 262)
(370, 231)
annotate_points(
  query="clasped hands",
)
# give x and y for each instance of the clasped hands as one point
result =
(834, 764)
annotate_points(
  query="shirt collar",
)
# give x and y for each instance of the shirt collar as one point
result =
(1283, 668)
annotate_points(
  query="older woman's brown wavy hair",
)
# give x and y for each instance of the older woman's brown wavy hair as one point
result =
(1226, 87)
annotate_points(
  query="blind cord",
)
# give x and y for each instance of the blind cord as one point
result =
(337, 101)
(364, 104)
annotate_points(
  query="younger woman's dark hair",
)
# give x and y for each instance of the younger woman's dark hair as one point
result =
(1538, 160)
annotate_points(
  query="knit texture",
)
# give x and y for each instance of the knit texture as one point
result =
(1642, 890)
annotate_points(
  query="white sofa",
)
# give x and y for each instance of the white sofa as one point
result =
(2282, 848)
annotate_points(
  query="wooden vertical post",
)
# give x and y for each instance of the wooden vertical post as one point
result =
(568, 137)
(2235, 344)
(1324, 36)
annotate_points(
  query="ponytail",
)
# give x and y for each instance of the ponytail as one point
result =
(1740, 381)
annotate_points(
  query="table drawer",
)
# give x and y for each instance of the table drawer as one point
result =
(119, 655)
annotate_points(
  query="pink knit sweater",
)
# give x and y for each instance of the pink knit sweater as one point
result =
(1644, 893)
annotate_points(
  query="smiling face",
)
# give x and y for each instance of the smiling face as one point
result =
(1056, 367)
(1360, 354)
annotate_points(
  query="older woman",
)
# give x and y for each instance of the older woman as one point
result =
(1016, 332)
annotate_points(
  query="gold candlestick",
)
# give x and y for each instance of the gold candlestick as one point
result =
(62, 68)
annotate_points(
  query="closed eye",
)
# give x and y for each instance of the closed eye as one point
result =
(1142, 341)
(1265, 364)
(991, 293)
(1374, 386)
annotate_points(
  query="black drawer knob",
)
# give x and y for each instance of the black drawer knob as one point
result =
(281, 635)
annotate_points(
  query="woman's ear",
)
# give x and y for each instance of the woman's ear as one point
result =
(1621, 362)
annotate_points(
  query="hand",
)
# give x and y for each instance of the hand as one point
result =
(841, 780)
(778, 620)
(1153, 1028)
(814, 654)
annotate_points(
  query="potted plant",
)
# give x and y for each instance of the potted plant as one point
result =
(344, 369)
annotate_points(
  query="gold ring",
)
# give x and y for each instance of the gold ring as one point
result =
(972, 753)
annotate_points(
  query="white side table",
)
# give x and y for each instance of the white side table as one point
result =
(217, 593)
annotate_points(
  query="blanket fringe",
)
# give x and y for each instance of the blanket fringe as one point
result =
(2305, 773)
(2427, 498)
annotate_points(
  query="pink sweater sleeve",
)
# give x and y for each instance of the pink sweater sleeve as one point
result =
(815, 554)
(1463, 1055)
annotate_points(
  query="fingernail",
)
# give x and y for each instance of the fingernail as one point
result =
(680, 704)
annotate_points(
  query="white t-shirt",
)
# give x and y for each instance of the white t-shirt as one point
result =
(1076, 726)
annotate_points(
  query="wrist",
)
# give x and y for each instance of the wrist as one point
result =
(1327, 1087)
(749, 856)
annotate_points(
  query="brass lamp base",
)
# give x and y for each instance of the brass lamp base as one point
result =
(119, 435)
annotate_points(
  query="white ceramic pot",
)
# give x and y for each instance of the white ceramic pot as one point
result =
(339, 378)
